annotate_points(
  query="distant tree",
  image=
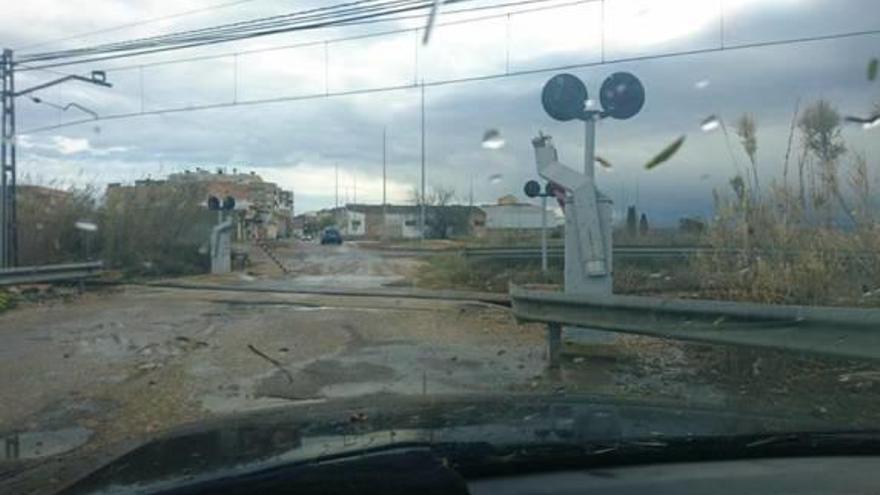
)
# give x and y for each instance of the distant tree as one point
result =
(325, 221)
(691, 225)
(643, 225)
(631, 221)
(820, 126)
(440, 213)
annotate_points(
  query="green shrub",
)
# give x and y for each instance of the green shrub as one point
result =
(47, 219)
(6, 300)
(156, 230)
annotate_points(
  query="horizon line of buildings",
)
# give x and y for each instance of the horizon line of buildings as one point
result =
(362, 220)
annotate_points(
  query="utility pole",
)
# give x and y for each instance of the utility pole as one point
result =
(8, 227)
(422, 194)
(384, 183)
(355, 200)
(336, 168)
(8, 222)
(471, 195)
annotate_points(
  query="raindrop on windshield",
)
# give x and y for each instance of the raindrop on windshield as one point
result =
(86, 226)
(710, 123)
(702, 84)
(666, 153)
(495, 178)
(492, 140)
(96, 129)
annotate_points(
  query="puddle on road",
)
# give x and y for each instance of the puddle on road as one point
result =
(404, 369)
(38, 444)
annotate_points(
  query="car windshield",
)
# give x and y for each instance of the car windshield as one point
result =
(224, 207)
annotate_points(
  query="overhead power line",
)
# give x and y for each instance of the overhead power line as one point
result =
(554, 4)
(144, 22)
(299, 21)
(153, 40)
(239, 26)
(487, 77)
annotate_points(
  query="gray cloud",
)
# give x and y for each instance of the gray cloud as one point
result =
(283, 140)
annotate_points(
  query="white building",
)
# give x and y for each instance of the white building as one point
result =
(509, 214)
(351, 223)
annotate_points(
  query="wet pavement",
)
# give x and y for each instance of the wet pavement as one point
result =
(344, 266)
(118, 366)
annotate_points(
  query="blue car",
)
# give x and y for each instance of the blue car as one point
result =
(331, 236)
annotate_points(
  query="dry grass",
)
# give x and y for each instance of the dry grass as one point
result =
(451, 271)
(795, 246)
(156, 231)
(46, 217)
(160, 230)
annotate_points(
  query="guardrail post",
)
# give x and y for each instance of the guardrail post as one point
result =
(554, 344)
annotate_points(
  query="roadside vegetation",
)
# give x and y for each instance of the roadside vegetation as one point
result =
(811, 237)
(6, 300)
(47, 223)
(158, 231)
(453, 271)
(163, 231)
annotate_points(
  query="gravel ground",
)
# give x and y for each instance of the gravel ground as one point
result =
(117, 366)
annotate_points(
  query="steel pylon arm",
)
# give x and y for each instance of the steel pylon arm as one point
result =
(100, 81)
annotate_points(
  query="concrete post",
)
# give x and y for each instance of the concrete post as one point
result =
(221, 248)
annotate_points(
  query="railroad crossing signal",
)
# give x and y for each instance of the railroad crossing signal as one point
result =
(214, 203)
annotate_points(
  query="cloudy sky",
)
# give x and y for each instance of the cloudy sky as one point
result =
(298, 142)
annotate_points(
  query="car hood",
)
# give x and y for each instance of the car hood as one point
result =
(259, 440)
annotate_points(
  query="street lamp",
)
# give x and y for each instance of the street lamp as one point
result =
(65, 108)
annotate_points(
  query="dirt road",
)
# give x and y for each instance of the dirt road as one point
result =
(116, 366)
(120, 364)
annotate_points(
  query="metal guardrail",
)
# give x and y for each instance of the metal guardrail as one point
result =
(557, 252)
(50, 273)
(846, 332)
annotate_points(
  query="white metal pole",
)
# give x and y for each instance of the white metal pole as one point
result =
(544, 234)
(422, 193)
(590, 148)
(384, 183)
